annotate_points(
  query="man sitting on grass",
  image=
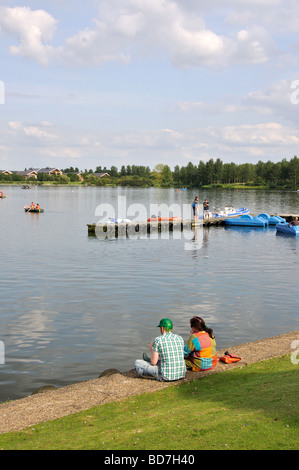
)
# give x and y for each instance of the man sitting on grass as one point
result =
(167, 356)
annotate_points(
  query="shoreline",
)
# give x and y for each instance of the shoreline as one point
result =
(225, 186)
(114, 385)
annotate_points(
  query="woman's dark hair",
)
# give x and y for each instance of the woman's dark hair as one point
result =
(199, 324)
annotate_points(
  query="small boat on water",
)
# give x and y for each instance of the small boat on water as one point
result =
(118, 221)
(37, 211)
(272, 219)
(247, 221)
(287, 228)
(25, 186)
(228, 211)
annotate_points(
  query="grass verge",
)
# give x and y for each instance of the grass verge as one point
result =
(254, 407)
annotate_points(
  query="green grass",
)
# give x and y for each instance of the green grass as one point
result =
(252, 407)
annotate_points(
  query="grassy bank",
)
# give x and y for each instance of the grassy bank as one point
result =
(252, 407)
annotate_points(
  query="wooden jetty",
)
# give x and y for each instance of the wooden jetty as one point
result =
(124, 229)
(111, 230)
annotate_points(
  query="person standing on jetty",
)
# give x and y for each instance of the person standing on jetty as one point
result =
(195, 208)
(167, 356)
(206, 209)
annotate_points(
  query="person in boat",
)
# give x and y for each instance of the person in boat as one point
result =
(37, 207)
(200, 350)
(294, 222)
(206, 209)
(32, 206)
(195, 208)
(166, 362)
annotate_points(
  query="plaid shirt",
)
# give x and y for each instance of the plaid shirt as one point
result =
(171, 350)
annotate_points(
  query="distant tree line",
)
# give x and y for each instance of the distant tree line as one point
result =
(284, 174)
(213, 173)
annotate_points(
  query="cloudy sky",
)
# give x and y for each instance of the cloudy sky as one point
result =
(123, 82)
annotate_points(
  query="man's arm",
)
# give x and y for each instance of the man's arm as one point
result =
(154, 357)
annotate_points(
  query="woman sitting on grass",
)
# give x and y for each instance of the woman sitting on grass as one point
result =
(200, 351)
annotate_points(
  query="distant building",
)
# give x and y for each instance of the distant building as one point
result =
(100, 175)
(27, 173)
(33, 172)
(48, 171)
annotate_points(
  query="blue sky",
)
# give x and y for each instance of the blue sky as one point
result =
(142, 82)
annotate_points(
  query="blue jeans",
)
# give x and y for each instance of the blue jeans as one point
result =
(146, 368)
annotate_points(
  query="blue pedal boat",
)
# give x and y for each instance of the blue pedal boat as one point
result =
(289, 229)
(247, 221)
(272, 219)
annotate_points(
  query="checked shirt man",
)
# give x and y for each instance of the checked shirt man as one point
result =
(167, 356)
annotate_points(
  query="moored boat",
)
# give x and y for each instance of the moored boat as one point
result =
(118, 221)
(228, 211)
(247, 221)
(287, 228)
(272, 219)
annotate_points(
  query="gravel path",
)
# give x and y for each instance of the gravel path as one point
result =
(115, 386)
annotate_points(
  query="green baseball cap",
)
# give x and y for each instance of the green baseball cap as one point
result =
(166, 323)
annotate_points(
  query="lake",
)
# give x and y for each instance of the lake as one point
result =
(72, 306)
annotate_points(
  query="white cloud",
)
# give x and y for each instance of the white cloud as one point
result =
(275, 100)
(15, 125)
(188, 106)
(239, 143)
(165, 28)
(125, 28)
(61, 152)
(32, 28)
(32, 131)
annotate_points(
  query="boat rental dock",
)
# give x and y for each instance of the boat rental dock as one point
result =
(150, 227)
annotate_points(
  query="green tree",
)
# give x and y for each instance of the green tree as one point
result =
(218, 168)
(191, 171)
(176, 175)
(167, 179)
(294, 171)
(113, 172)
(210, 171)
(200, 177)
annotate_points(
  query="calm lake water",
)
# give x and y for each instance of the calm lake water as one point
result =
(72, 306)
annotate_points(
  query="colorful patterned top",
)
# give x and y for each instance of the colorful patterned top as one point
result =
(200, 352)
(171, 350)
